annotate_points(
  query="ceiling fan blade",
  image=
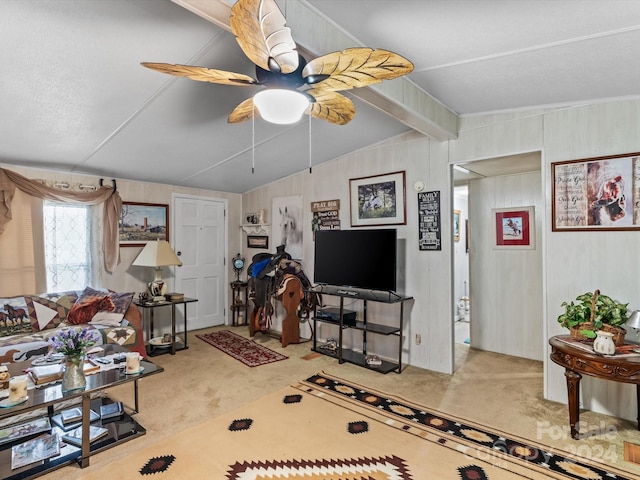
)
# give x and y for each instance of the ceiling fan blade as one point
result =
(242, 112)
(355, 67)
(331, 106)
(202, 74)
(261, 31)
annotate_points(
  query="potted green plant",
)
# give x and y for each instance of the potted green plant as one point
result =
(591, 312)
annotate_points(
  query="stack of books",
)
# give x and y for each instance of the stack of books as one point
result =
(72, 418)
(174, 297)
(111, 410)
(74, 437)
(46, 373)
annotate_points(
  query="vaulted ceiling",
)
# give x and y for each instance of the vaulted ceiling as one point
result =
(74, 96)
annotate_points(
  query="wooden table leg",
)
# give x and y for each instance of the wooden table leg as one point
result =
(638, 403)
(573, 391)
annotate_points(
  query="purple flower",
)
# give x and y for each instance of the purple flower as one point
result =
(72, 341)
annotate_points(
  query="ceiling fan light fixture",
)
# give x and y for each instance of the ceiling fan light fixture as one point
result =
(281, 106)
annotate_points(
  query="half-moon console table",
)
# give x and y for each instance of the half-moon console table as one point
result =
(577, 360)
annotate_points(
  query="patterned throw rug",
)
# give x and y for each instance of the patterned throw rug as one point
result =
(331, 429)
(247, 351)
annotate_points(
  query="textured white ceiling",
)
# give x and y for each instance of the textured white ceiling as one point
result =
(74, 96)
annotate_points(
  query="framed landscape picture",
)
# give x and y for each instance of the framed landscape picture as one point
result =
(143, 222)
(378, 200)
(515, 227)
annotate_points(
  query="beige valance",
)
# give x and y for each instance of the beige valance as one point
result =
(109, 196)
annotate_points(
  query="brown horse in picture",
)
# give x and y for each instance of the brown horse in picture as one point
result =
(15, 313)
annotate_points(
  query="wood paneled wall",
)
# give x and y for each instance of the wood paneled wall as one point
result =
(425, 275)
(506, 285)
(125, 277)
(572, 262)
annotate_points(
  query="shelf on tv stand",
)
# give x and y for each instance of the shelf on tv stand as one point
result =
(381, 296)
(348, 355)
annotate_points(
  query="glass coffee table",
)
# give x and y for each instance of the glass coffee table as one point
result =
(51, 400)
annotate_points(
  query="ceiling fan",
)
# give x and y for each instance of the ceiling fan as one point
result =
(261, 31)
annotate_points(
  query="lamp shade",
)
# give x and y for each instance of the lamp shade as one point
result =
(634, 320)
(157, 254)
(280, 106)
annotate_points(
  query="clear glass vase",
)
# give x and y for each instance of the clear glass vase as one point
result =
(73, 377)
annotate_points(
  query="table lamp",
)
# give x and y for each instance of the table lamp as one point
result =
(634, 322)
(157, 254)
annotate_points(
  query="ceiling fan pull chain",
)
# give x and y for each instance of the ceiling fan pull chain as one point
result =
(253, 139)
(310, 171)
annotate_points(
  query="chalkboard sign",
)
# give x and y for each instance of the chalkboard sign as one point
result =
(429, 232)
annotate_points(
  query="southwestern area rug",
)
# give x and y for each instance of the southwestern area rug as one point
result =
(327, 428)
(247, 351)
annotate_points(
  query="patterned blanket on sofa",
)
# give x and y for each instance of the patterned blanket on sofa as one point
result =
(28, 322)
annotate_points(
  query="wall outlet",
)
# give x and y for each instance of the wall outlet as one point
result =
(418, 339)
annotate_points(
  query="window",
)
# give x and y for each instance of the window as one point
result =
(67, 239)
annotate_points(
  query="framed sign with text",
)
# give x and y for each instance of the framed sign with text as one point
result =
(601, 193)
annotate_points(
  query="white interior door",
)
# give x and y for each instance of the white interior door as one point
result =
(200, 241)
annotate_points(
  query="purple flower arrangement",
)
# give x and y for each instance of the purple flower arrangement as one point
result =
(73, 342)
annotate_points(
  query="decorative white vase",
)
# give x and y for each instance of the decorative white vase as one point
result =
(603, 343)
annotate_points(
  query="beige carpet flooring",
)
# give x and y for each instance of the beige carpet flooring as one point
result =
(495, 390)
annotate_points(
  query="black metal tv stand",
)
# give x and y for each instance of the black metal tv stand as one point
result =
(347, 354)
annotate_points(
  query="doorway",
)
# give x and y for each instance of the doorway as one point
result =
(504, 285)
(462, 307)
(200, 240)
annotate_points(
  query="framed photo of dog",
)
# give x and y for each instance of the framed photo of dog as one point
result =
(600, 193)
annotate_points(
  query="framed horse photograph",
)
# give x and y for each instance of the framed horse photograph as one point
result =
(378, 200)
(515, 228)
(287, 224)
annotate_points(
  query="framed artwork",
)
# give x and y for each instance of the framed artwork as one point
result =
(143, 222)
(601, 193)
(287, 224)
(378, 200)
(515, 227)
(456, 225)
(257, 241)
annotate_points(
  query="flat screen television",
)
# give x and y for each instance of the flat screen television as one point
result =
(363, 259)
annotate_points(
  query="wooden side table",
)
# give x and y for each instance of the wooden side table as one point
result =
(240, 302)
(577, 359)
